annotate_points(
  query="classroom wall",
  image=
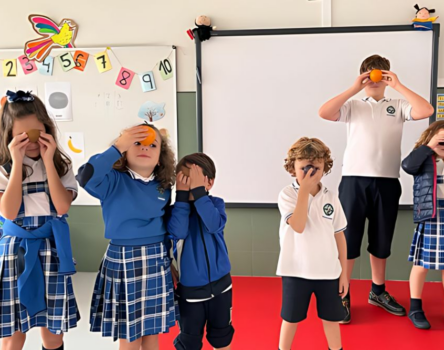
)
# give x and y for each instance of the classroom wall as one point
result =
(252, 234)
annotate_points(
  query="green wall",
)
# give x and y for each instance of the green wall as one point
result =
(251, 234)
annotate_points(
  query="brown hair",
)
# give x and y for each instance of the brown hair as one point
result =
(427, 135)
(311, 149)
(12, 111)
(374, 62)
(200, 159)
(164, 172)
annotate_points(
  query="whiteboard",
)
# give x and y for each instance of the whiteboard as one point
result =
(100, 108)
(260, 93)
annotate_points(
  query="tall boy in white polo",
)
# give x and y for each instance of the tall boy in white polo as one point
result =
(370, 187)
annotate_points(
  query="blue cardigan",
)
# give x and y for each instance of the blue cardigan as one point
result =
(132, 209)
(421, 163)
(198, 230)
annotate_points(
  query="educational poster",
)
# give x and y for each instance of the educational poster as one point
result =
(440, 107)
(91, 108)
(58, 101)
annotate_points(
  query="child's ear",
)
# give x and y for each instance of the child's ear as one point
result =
(210, 184)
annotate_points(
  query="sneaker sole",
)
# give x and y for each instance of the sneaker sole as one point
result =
(389, 311)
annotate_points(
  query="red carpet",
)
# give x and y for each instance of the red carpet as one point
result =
(256, 318)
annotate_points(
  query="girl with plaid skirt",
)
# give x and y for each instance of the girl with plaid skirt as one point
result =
(133, 298)
(37, 187)
(427, 249)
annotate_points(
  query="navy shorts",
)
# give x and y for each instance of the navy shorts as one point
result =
(296, 295)
(375, 199)
(214, 313)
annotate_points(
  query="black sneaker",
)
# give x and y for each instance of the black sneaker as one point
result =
(419, 320)
(387, 302)
(346, 305)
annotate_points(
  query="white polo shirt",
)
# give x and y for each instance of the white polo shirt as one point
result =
(374, 133)
(37, 204)
(312, 254)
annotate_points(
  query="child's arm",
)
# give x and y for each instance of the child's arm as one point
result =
(340, 224)
(331, 109)
(60, 196)
(212, 214)
(342, 249)
(298, 220)
(11, 199)
(96, 176)
(421, 109)
(413, 162)
(179, 213)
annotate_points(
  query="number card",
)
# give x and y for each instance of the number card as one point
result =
(67, 61)
(102, 61)
(27, 65)
(80, 58)
(165, 68)
(147, 81)
(9, 68)
(124, 78)
(47, 66)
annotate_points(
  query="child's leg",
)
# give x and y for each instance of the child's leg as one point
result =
(150, 342)
(14, 342)
(333, 334)
(220, 330)
(417, 279)
(126, 345)
(288, 331)
(50, 340)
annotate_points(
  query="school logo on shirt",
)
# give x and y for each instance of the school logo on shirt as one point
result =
(328, 210)
(391, 111)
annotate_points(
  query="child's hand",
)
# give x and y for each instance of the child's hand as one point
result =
(17, 147)
(48, 147)
(130, 136)
(309, 183)
(390, 79)
(174, 274)
(343, 285)
(361, 82)
(197, 177)
(182, 182)
(436, 139)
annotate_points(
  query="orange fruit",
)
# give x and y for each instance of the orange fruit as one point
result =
(150, 138)
(376, 75)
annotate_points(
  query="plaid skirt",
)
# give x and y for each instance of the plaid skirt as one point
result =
(134, 293)
(61, 314)
(427, 249)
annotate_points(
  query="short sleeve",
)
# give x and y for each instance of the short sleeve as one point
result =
(286, 203)
(339, 220)
(345, 112)
(3, 180)
(70, 183)
(406, 110)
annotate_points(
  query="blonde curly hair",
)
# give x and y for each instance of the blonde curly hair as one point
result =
(311, 149)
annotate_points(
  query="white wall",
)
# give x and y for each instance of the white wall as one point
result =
(386, 12)
(156, 22)
(160, 22)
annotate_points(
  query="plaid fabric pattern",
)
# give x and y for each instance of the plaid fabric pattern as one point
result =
(134, 293)
(61, 313)
(427, 249)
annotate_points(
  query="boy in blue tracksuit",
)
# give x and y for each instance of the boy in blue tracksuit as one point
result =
(196, 224)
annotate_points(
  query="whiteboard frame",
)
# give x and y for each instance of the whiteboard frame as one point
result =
(305, 31)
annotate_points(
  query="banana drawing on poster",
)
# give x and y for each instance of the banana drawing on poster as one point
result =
(74, 145)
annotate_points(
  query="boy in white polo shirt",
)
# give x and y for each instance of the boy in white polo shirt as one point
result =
(313, 249)
(370, 188)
